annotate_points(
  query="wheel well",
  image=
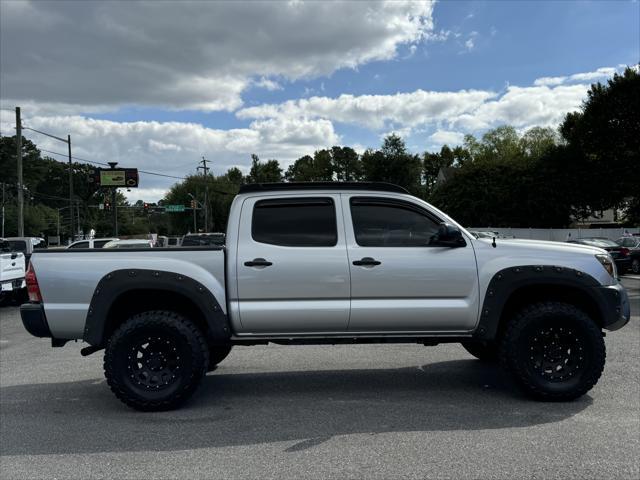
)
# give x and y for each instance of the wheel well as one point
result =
(560, 293)
(142, 300)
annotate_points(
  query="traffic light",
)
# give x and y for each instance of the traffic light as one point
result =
(145, 206)
(193, 204)
(107, 205)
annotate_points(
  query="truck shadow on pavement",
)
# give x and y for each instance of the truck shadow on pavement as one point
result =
(300, 408)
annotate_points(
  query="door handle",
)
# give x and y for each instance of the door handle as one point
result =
(258, 262)
(367, 262)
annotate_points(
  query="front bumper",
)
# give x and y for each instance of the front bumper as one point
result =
(34, 320)
(614, 303)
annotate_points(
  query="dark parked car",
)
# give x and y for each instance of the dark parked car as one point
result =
(619, 253)
(632, 245)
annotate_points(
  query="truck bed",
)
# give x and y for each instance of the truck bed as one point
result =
(68, 278)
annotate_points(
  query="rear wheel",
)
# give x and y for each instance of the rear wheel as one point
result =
(554, 351)
(217, 353)
(635, 265)
(485, 351)
(155, 360)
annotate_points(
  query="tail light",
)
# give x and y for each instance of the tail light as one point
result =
(624, 252)
(32, 285)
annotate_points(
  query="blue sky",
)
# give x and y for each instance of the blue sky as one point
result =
(159, 88)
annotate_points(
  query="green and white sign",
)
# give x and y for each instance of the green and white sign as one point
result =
(174, 208)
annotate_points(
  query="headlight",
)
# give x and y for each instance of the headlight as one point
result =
(607, 262)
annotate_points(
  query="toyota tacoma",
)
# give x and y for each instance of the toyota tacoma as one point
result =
(330, 263)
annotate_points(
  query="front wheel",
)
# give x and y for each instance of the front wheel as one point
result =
(155, 360)
(554, 351)
(485, 351)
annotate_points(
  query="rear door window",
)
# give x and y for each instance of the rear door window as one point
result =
(295, 222)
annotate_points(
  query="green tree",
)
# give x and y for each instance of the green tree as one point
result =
(311, 169)
(264, 172)
(394, 164)
(346, 164)
(606, 135)
(537, 140)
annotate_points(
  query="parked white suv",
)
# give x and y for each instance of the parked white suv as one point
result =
(11, 271)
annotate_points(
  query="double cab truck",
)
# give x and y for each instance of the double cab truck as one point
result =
(330, 263)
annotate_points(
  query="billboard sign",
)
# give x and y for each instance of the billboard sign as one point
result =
(114, 177)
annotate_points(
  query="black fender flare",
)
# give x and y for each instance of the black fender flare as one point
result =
(505, 282)
(116, 283)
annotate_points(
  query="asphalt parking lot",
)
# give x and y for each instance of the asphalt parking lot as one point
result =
(379, 411)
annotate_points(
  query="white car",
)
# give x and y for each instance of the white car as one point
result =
(141, 243)
(11, 270)
(93, 243)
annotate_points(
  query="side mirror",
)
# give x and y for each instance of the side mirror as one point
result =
(448, 236)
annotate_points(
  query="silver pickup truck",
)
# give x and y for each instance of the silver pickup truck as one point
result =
(329, 263)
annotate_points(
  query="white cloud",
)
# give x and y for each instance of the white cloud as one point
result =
(268, 84)
(545, 103)
(189, 55)
(442, 137)
(376, 111)
(174, 148)
(469, 44)
(599, 74)
(588, 76)
(550, 81)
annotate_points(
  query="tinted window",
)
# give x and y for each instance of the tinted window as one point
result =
(100, 243)
(382, 223)
(629, 242)
(203, 240)
(80, 245)
(300, 222)
(18, 245)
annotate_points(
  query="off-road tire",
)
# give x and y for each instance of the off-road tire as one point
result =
(217, 353)
(554, 351)
(174, 343)
(484, 351)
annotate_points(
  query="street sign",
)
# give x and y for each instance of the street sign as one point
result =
(114, 177)
(174, 208)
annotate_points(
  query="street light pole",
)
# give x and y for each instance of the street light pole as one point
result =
(195, 210)
(20, 186)
(114, 190)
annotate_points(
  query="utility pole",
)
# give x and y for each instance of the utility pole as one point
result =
(70, 186)
(113, 203)
(205, 170)
(20, 186)
(68, 142)
(2, 210)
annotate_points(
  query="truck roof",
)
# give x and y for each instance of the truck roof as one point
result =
(374, 186)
